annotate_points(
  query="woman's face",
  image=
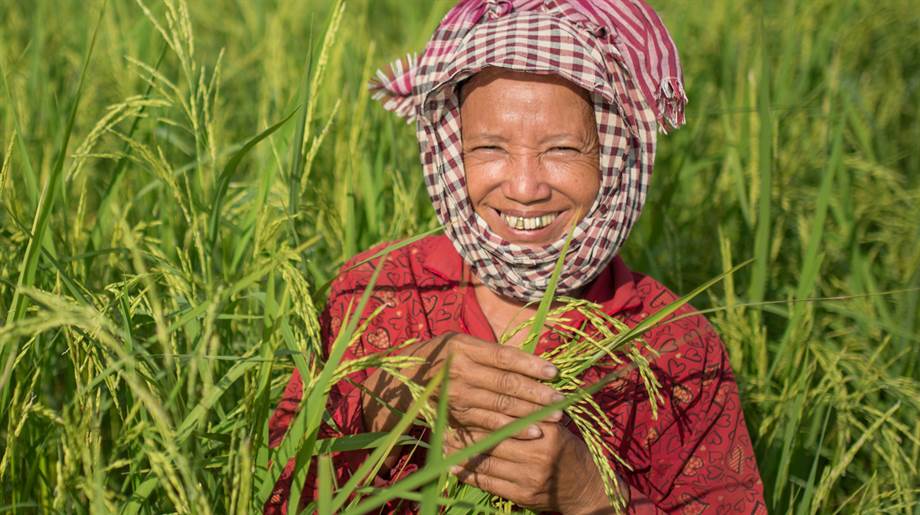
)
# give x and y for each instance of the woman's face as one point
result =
(530, 152)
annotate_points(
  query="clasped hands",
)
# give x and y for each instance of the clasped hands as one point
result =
(545, 467)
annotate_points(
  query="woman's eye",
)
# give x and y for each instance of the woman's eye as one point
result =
(486, 149)
(566, 150)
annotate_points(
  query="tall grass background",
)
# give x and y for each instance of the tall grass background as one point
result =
(178, 181)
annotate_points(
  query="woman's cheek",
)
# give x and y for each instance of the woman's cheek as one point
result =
(482, 175)
(576, 172)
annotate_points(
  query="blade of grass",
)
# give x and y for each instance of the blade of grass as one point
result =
(198, 413)
(811, 264)
(530, 344)
(832, 475)
(31, 178)
(139, 497)
(373, 463)
(765, 170)
(792, 417)
(324, 495)
(806, 505)
(360, 441)
(226, 174)
(259, 273)
(297, 161)
(126, 149)
(429, 505)
(454, 506)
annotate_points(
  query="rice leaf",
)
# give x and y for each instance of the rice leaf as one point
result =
(324, 495)
(223, 181)
(808, 277)
(806, 505)
(197, 414)
(296, 160)
(530, 344)
(429, 504)
(372, 464)
(360, 441)
(31, 178)
(120, 167)
(759, 272)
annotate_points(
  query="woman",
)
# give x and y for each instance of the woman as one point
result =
(534, 116)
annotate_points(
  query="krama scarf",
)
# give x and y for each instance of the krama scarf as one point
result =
(617, 50)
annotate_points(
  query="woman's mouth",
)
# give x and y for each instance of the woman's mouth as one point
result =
(528, 223)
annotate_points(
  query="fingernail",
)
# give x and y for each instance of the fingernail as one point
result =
(455, 469)
(550, 371)
(534, 432)
(557, 397)
(556, 416)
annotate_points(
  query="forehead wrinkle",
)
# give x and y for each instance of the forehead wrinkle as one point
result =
(523, 118)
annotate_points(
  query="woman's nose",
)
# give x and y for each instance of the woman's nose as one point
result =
(525, 180)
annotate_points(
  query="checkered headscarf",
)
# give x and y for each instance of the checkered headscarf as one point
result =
(617, 50)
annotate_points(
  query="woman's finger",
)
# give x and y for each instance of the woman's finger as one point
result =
(488, 465)
(512, 450)
(498, 403)
(510, 359)
(511, 384)
(494, 485)
(489, 421)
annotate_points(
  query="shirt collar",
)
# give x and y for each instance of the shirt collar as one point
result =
(614, 289)
(443, 260)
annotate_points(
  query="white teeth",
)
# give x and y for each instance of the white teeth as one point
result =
(521, 223)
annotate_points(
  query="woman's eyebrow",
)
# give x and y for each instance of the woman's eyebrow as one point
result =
(563, 138)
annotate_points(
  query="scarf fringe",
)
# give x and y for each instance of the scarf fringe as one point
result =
(672, 100)
(393, 87)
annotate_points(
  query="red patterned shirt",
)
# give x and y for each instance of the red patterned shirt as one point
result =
(696, 457)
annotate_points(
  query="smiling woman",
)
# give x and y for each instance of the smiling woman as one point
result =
(538, 120)
(532, 165)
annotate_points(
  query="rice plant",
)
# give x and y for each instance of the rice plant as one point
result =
(180, 180)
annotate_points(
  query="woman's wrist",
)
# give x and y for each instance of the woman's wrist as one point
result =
(589, 497)
(592, 501)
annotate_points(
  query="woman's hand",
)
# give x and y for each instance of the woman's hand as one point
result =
(544, 467)
(489, 385)
(551, 473)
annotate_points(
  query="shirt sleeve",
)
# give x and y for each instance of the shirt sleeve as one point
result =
(696, 456)
(344, 405)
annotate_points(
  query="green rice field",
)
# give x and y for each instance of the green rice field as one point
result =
(180, 179)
